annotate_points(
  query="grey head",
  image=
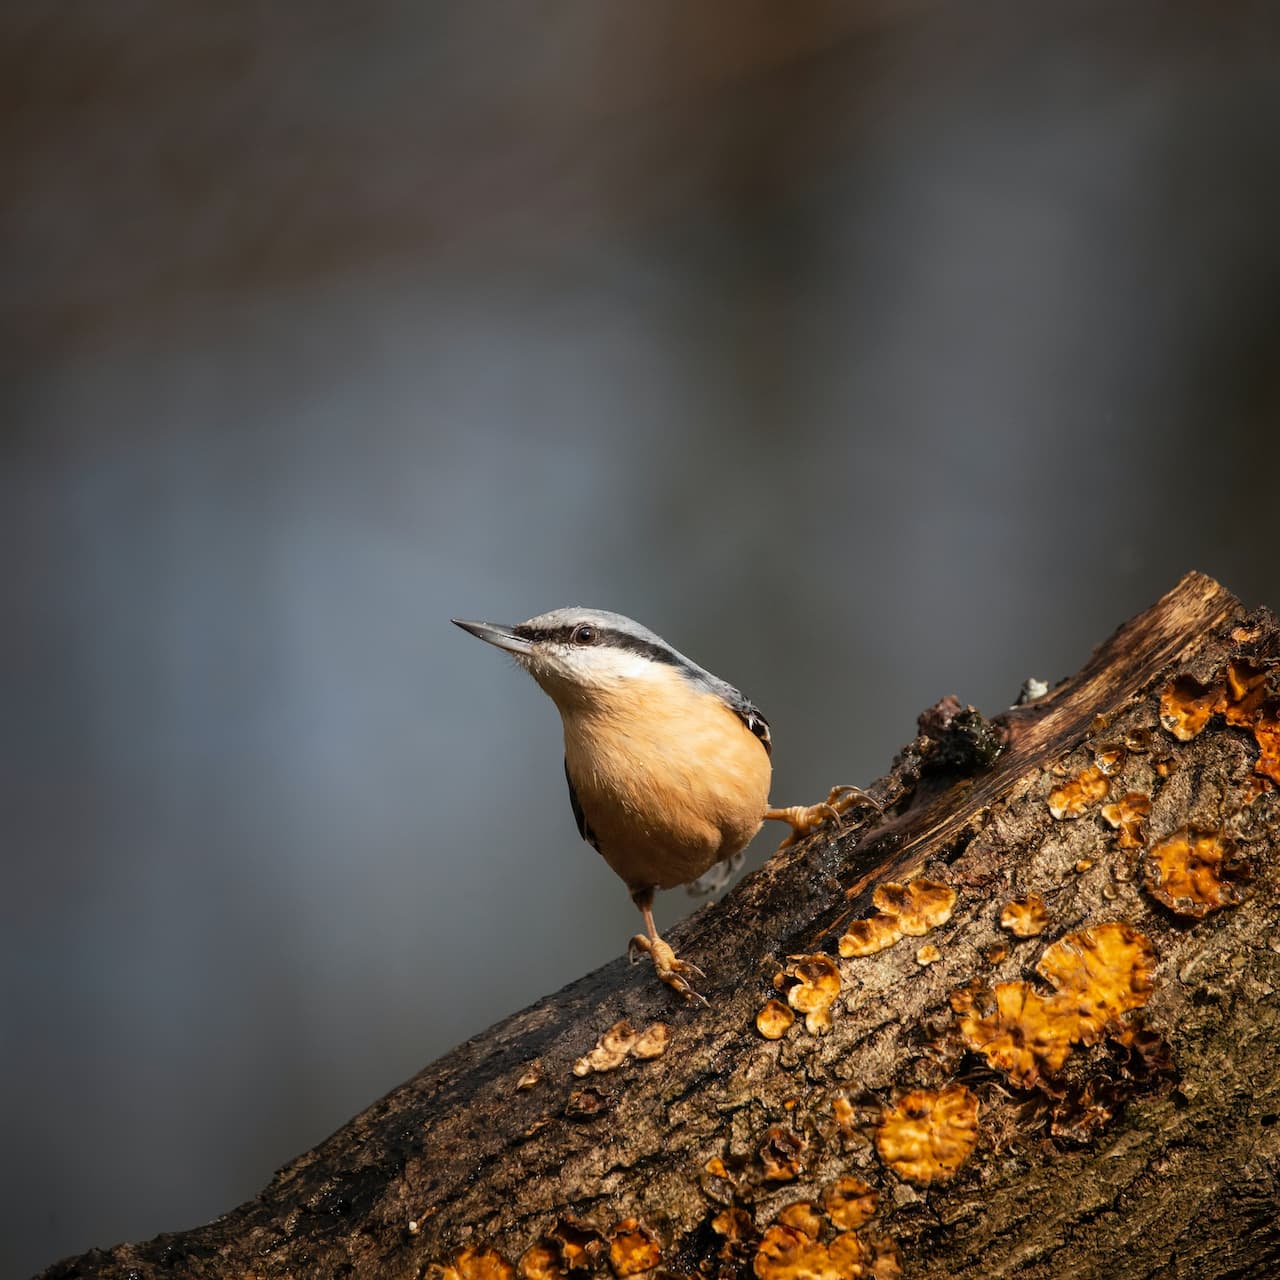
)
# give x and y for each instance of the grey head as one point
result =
(574, 651)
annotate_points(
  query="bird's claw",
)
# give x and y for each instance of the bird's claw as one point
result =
(846, 795)
(807, 818)
(669, 967)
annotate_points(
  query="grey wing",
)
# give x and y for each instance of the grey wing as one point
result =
(578, 816)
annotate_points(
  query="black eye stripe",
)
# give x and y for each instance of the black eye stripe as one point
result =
(606, 638)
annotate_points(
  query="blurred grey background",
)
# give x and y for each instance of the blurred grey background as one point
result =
(868, 351)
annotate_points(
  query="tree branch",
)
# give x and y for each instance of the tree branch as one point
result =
(1105, 1087)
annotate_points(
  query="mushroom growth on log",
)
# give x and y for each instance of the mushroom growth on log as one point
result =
(1024, 1022)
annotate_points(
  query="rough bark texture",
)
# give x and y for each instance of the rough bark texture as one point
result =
(1149, 1148)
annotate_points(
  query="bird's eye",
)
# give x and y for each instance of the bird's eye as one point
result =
(584, 633)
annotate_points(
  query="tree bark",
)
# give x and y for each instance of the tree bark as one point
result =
(1126, 1128)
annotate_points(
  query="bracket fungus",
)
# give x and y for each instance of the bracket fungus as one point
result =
(1246, 694)
(1128, 816)
(540, 1261)
(1245, 689)
(737, 1233)
(620, 1042)
(1074, 797)
(1110, 759)
(788, 1254)
(919, 906)
(474, 1264)
(845, 1115)
(803, 1217)
(1097, 973)
(1186, 706)
(774, 1019)
(850, 1202)
(632, 1249)
(866, 937)
(793, 1248)
(782, 1154)
(810, 984)
(909, 910)
(1191, 872)
(721, 1185)
(1266, 733)
(580, 1246)
(1025, 917)
(1251, 700)
(733, 1223)
(651, 1042)
(531, 1076)
(1105, 970)
(1018, 1030)
(929, 1135)
(610, 1050)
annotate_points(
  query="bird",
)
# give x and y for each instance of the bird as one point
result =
(669, 767)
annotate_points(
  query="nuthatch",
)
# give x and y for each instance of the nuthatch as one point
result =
(668, 766)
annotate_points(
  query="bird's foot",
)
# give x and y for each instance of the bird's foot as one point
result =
(807, 818)
(669, 967)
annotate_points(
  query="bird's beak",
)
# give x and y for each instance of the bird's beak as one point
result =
(496, 634)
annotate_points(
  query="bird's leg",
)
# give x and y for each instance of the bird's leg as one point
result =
(670, 969)
(804, 818)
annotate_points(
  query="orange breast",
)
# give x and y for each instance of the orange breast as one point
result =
(670, 780)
